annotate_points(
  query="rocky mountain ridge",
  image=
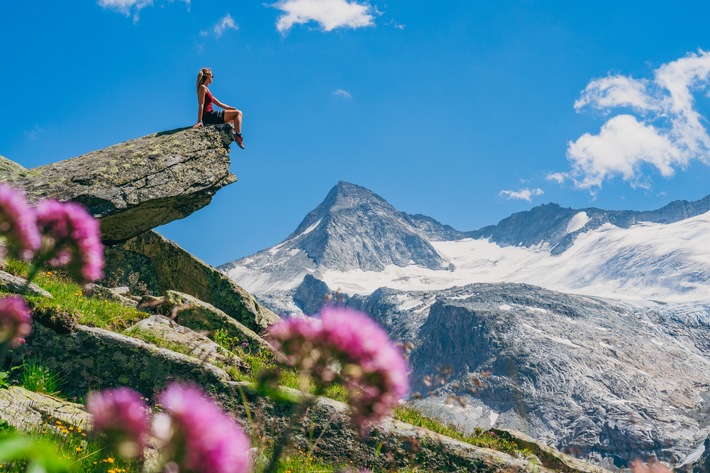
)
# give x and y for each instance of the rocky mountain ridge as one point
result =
(602, 378)
(143, 350)
(356, 242)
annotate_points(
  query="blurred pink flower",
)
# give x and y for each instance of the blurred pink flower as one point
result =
(17, 223)
(121, 416)
(201, 437)
(347, 343)
(74, 237)
(15, 320)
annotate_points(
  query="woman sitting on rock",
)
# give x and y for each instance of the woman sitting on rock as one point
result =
(206, 113)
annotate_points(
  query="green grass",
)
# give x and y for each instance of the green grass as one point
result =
(70, 444)
(39, 378)
(69, 298)
(158, 341)
(480, 438)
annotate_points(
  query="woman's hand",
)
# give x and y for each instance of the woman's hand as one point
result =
(197, 125)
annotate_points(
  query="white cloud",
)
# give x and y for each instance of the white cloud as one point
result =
(522, 194)
(226, 23)
(558, 177)
(330, 14)
(342, 93)
(125, 6)
(395, 25)
(660, 128)
(132, 6)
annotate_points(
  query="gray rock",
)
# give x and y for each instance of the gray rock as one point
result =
(15, 284)
(160, 265)
(140, 184)
(27, 411)
(698, 461)
(98, 359)
(590, 377)
(95, 358)
(184, 340)
(109, 293)
(9, 168)
(199, 315)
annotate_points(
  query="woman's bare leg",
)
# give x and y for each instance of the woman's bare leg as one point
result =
(234, 116)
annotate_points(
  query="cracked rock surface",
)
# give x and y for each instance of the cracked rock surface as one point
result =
(139, 184)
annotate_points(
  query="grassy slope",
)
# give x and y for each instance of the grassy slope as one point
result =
(69, 298)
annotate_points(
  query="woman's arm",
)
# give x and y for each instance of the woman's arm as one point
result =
(201, 104)
(220, 104)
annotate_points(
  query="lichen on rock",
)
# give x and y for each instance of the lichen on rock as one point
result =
(161, 265)
(137, 185)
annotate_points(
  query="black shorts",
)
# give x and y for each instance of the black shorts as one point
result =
(213, 118)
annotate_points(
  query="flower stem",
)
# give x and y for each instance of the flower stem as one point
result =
(280, 445)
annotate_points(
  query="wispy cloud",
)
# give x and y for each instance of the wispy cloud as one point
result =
(522, 194)
(329, 14)
(128, 7)
(34, 132)
(226, 23)
(558, 177)
(396, 25)
(342, 93)
(125, 6)
(657, 125)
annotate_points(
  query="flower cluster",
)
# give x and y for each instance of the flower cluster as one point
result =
(73, 237)
(15, 320)
(17, 224)
(195, 435)
(201, 437)
(122, 416)
(348, 344)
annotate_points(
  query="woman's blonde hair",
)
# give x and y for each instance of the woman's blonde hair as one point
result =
(202, 76)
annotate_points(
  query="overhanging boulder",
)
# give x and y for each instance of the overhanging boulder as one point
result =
(140, 184)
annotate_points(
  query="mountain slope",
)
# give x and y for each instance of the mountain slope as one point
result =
(558, 227)
(352, 229)
(356, 242)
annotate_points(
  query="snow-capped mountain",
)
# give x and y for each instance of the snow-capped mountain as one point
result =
(584, 328)
(356, 242)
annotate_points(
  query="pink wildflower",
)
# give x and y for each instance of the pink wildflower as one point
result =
(122, 416)
(15, 320)
(17, 223)
(347, 343)
(203, 438)
(74, 237)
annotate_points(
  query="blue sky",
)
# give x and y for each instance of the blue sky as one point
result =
(465, 110)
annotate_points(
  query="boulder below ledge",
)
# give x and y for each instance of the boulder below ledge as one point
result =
(139, 184)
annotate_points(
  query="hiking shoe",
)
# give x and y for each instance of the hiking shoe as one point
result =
(239, 140)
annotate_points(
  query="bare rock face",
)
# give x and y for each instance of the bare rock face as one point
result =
(158, 265)
(9, 168)
(140, 184)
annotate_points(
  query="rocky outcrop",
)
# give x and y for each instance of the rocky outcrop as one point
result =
(15, 284)
(9, 168)
(159, 265)
(199, 315)
(97, 359)
(26, 410)
(594, 378)
(184, 340)
(140, 184)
